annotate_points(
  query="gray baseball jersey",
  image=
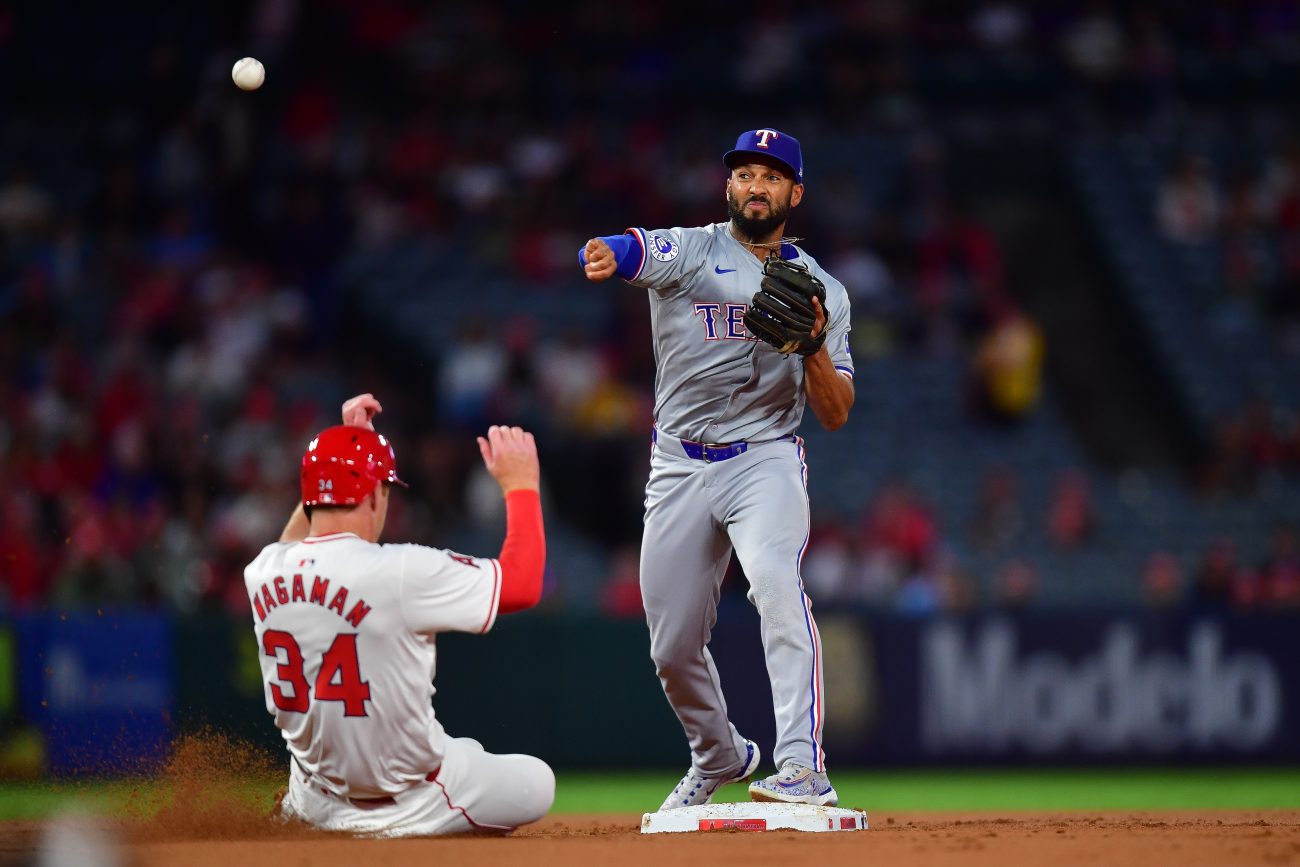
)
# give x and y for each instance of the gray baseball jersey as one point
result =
(716, 385)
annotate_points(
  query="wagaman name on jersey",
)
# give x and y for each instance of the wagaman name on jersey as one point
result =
(276, 594)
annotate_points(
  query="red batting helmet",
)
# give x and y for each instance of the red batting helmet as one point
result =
(344, 463)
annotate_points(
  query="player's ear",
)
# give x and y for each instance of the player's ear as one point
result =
(796, 195)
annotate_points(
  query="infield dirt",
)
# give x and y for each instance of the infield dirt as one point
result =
(206, 818)
(899, 840)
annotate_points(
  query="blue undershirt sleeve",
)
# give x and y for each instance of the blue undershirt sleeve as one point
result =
(626, 252)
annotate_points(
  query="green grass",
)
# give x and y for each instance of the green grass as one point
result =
(131, 797)
(884, 791)
(1037, 789)
(37, 800)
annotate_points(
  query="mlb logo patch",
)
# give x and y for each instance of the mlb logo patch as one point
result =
(663, 248)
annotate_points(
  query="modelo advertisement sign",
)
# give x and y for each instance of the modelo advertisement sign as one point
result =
(1074, 688)
(989, 689)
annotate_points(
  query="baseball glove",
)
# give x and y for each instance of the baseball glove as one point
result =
(781, 312)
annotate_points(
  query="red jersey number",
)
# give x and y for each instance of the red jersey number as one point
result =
(288, 671)
(339, 678)
(341, 661)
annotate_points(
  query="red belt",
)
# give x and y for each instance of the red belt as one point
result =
(363, 803)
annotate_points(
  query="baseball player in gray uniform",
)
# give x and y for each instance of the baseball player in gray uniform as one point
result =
(747, 328)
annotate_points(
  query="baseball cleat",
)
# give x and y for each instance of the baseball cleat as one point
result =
(795, 784)
(695, 790)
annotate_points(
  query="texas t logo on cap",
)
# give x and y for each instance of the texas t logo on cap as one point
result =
(772, 144)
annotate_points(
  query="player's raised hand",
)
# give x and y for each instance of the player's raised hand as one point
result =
(359, 411)
(510, 455)
(601, 261)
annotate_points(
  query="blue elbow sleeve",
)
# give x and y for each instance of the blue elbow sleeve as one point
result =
(627, 252)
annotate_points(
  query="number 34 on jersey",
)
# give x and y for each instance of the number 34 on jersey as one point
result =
(339, 677)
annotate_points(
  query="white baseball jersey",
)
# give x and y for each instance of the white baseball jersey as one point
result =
(345, 633)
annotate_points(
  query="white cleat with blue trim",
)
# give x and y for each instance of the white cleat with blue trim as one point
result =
(795, 784)
(695, 791)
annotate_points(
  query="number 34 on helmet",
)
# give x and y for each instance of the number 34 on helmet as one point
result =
(344, 463)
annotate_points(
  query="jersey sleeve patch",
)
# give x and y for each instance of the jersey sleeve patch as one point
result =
(662, 248)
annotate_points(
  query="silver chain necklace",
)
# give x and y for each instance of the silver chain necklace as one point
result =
(767, 244)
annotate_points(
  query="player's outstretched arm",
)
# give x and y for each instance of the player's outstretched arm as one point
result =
(510, 455)
(600, 262)
(612, 256)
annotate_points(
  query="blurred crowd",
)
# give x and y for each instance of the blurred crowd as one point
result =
(898, 556)
(175, 323)
(156, 409)
(1220, 579)
(1255, 447)
(1241, 215)
(1247, 215)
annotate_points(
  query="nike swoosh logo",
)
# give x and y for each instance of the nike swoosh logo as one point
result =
(717, 270)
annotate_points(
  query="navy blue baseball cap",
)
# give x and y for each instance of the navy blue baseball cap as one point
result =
(769, 143)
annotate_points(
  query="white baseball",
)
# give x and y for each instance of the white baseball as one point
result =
(248, 74)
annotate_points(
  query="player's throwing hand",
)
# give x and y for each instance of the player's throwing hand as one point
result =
(510, 455)
(601, 261)
(361, 410)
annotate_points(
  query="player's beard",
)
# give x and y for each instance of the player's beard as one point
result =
(756, 228)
